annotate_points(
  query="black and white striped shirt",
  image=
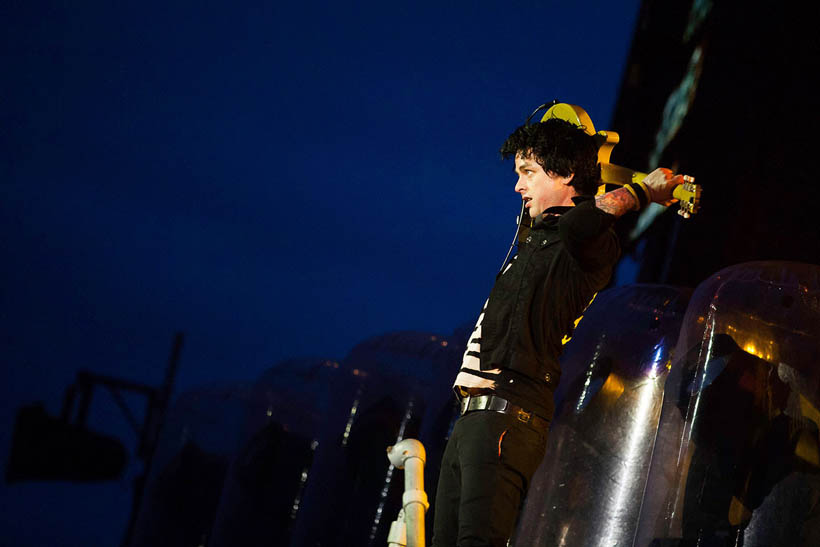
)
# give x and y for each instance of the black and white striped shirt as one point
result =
(470, 374)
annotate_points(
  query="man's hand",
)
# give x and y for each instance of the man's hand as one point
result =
(661, 183)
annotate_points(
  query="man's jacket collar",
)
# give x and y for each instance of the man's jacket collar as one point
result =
(553, 213)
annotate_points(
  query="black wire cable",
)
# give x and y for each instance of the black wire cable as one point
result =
(515, 237)
(521, 214)
(544, 106)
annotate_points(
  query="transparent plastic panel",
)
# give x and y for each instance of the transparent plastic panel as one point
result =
(286, 412)
(588, 489)
(737, 460)
(299, 457)
(200, 437)
(391, 387)
(232, 460)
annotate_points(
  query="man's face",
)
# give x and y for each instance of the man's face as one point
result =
(541, 190)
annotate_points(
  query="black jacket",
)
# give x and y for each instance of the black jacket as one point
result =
(534, 304)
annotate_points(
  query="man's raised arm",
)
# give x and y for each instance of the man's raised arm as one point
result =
(657, 187)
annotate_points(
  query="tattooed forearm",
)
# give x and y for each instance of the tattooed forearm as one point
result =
(617, 202)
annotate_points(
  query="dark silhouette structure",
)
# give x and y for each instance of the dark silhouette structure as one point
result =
(720, 90)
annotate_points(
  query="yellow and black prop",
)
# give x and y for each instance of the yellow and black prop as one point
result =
(687, 193)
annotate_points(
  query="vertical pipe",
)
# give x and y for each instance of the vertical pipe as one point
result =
(409, 454)
(414, 507)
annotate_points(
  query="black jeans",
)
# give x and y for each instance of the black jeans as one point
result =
(485, 471)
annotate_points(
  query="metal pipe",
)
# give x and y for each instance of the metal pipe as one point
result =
(409, 454)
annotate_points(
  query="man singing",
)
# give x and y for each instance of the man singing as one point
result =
(510, 367)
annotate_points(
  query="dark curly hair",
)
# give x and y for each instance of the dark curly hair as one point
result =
(560, 147)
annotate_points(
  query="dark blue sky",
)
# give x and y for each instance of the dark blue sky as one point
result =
(275, 180)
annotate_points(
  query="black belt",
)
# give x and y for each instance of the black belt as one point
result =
(497, 404)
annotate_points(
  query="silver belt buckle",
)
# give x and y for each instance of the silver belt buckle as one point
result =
(465, 404)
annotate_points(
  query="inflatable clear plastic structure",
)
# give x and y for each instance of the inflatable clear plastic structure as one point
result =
(737, 460)
(713, 443)
(298, 457)
(588, 489)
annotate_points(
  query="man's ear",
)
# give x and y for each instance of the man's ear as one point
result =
(553, 174)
